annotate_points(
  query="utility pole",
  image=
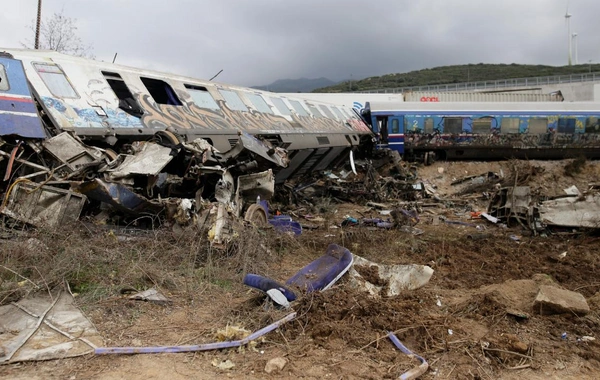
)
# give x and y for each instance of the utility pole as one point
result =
(38, 24)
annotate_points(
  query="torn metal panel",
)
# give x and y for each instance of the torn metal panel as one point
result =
(151, 159)
(251, 186)
(43, 328)
(582, 212)
(264, 149)
(43, 205)
(70, 151)
(118, 196)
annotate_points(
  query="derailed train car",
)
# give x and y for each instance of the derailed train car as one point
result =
(129, 137)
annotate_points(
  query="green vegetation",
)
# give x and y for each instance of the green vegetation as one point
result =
(458, 74)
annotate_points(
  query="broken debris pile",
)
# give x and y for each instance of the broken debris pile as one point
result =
(49, 182)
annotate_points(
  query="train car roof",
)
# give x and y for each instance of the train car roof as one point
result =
(58, 58)
(482, 106)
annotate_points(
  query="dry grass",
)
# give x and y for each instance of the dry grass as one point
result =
(98, 262)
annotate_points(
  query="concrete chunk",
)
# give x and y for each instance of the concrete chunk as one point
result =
(553, 300)
(275, 365)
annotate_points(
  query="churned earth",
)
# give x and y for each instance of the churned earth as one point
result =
(473, 320)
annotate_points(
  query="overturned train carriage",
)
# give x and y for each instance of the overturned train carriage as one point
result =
(127, 135)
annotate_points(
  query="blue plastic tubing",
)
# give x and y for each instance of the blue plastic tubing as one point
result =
(415, 372)
(201, 347)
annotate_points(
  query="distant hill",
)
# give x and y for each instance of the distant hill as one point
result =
(457, 74)
(296, 85)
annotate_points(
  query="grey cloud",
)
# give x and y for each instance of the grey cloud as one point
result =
(257, 42)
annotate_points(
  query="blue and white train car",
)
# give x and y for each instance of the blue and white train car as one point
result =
(111, 105)
(533, 130)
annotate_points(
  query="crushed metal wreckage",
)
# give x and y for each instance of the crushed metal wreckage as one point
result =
(129, 146)
(574, 210)
(151, 179)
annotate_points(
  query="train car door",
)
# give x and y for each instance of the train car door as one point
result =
(18, 113)
(396, 133)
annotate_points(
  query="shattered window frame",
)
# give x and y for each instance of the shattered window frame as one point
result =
(161, 91)
(233, 101)
(55, 80)
(202, 97)
(281, 106)
(259, 103)
(300, 110)
(4, 83)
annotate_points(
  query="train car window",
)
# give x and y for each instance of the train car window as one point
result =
(483, 125)
(161, 91)
(537, 125)
(453, 125)
(260, 104)
(281, 107)
(201, 97)
(566, 125)
(233, 100)
(395, 126)
(428, 125)
(592, 125)
(3, 79)
(338, 113)
(126, 100)
(510, 125)
(298, 107)
(55, 80)
(327, 111)
(314, 111)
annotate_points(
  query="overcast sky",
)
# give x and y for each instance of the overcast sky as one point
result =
(258, 41)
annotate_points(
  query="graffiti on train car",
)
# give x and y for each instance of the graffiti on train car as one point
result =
(191, 116)
(496, 139)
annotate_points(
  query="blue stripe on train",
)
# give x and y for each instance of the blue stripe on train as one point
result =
(17, 99)
(17, 105)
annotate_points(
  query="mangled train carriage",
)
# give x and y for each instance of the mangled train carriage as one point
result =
(144, 142)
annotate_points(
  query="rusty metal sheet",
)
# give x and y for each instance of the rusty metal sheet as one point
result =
(43, 205)
(582, 212)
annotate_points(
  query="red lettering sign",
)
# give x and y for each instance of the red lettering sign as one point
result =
(430, 99)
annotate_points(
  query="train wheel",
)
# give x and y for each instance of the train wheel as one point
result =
(167, 137)
(111, 154)
(256, 215)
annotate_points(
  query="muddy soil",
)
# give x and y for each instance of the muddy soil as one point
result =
(473, 320)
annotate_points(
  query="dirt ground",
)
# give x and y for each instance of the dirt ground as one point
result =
(473, 320)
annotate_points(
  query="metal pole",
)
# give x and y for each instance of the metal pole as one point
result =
(37, 27)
